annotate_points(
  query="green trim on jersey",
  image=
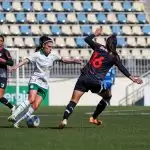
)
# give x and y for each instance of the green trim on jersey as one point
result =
(43, 53)
(40, 91)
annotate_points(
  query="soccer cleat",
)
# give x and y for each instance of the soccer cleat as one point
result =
(95, 121)
(16, 125)
(63, 124)
(11, 119)
(13, 109)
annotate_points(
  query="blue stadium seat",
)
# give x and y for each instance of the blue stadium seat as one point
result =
(146, 30)
(25, 30)
(6, 6)
(61, 18)
(67, 6)
(127, 6)
(47, 6)
(41, 18)
(20, 17)
(121, 42)
(116, 30)
(122, 18)
(56, 30)
(86, 29)
(82, 18)
(101, 18)
(36, 41)
(141, 18)
(2, 18)
(27, 6)
(80, 42)
(87, 6)
(107, 6)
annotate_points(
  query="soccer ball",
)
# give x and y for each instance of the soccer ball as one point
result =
(33, 121)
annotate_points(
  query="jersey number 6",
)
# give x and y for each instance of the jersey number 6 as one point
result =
(96, 60)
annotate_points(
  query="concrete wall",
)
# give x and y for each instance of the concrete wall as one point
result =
(60, 93)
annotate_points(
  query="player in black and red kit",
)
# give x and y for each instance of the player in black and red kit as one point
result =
(5, 60)
(92, 75)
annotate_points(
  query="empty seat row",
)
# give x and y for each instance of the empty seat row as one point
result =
(74, 42)
(71, 6)
(86, 53)
(74, 17)
(73, 30)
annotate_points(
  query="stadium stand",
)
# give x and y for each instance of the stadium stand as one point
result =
(69, 21)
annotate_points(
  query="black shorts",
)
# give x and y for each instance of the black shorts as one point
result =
(85, 84)
(3, 83)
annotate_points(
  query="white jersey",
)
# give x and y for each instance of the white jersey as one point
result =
(42, 65)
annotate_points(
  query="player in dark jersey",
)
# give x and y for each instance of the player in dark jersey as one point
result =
(5, 60)
(102, 59)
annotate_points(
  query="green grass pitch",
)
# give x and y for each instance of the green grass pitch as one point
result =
(124, 128)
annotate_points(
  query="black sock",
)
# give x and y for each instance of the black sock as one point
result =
(69, 109)
(100, 107)
(5, 102)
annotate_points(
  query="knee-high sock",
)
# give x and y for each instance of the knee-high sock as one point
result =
(6, 103)
(21, 108)
(26, 115)
(69, 109)
(100, 107)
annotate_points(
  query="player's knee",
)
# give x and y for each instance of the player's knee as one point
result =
(35, 105)
(31, 100)
(107, 99)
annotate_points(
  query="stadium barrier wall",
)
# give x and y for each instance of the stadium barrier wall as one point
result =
(60, 93)
(11, 95)
(147, 95)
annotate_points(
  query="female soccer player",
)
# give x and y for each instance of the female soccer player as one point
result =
(5, 60)
(92, 75)
(42, 59)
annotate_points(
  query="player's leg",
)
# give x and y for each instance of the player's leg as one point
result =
(41, 94)
(32, 108)
(25, 104)
(79, 90)
(3, 100)
(106, 96)
(70, 107)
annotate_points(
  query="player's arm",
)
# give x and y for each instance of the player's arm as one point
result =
(72, 60)
(122, 68)
(8, 61)
(23, 62)
(89, 39)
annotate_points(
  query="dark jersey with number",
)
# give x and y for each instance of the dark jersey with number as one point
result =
(101, 61)
(4, 54)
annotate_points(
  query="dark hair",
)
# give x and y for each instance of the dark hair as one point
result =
(111, 44)
(43, 39)
(1, 36)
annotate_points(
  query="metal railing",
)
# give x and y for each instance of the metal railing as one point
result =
(135, 92)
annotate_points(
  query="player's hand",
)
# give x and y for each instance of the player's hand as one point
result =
(2, 60)
(98, 31)
(137, 80)
(78, 60)
(13, 68)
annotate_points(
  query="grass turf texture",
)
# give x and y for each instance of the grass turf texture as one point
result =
(124, 128)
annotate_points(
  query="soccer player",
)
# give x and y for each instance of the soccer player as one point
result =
(108, 82)
(5, 60)
(94, 72)
(109, 79)
(42, 59)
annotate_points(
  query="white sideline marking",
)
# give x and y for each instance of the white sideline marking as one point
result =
(106, 113)
(120, 112)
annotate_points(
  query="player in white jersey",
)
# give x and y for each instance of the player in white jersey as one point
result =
(43, 60)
